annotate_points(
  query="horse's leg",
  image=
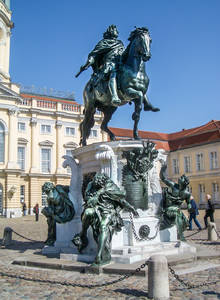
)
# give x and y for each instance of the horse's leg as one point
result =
(136, 117)
(87, 123)
(137, 97)
(108, 112)
(148, 105)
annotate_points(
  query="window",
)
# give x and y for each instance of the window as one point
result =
(21, 126)
(175, 166)
(45, 129)
(21, 157)
(2, 143)
(93, 133)
(201, 193)
(22, 192)
(213, 160)
(69, 153)
(199, 162)
(215, 192)
(70, 131)
(45, 160)
(187, 164)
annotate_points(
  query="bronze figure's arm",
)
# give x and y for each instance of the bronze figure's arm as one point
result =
(129, 207)
(163, 178)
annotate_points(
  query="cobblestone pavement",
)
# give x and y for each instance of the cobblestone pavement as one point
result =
(134, 287)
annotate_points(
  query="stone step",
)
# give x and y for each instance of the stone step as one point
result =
(195, 267)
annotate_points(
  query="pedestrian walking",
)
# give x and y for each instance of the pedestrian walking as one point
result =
(36, 211)
(24, 208)
(193, 213)
(209, 212)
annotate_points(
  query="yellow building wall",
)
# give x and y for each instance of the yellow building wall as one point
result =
(206, 177)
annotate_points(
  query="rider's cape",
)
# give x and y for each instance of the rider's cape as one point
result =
(104, 47)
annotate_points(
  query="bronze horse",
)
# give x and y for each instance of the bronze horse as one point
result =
(132, 85)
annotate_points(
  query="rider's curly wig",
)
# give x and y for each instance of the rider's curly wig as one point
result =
(109, 32)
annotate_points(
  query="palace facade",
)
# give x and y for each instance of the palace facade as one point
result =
(35, 133)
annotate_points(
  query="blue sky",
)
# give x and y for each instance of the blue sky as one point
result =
(51, 39)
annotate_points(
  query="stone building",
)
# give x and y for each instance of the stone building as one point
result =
(35, 132)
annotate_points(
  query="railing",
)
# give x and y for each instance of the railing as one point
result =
(68, 107)
(71, 107)
(27, 102)
(46, 104)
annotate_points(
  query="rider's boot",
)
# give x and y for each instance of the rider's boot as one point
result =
(113, 91)
(148, 106)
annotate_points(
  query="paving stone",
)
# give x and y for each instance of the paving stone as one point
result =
(132, 288)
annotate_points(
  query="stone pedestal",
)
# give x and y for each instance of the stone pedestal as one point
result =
(107, 158)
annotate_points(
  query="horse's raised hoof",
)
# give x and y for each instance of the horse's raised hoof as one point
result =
(148, 107)
(155, 109)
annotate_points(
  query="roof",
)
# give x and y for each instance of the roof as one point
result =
(186, 138)
(160, 139)
(49, 98)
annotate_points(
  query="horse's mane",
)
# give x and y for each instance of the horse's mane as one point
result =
(133, 34)
(125, 53)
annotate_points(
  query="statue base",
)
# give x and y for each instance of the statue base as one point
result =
(139, 238)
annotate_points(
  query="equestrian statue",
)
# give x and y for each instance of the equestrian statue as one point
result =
(118, 77)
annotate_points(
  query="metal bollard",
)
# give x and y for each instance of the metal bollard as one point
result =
(212, 235)
(7, 237)
(158, 278)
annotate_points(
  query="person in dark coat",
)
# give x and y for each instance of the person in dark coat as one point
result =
(24, 208)
(36, 211)
(209, 212)
(193, 213)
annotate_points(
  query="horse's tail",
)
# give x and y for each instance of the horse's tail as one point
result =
(87, 92)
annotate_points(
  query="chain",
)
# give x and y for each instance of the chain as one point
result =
(90, 286)
(189, 285)
(137, 238)
(188, 236)
(26, 237)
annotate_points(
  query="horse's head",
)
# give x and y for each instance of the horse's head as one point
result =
(141, 39)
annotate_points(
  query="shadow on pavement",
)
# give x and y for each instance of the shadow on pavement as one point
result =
(23, 246)
(212, 293)
(132, 292)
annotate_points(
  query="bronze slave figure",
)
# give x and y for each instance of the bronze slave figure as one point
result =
(174, 196)
(103, 203)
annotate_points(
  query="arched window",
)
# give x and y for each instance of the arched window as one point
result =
(2, 142)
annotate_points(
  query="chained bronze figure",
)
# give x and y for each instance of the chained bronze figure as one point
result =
(103, 203)
(59, 208)
(173, 198)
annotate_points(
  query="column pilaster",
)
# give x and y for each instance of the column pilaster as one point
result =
(59, 146)
(12, 139)
(34, 146)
